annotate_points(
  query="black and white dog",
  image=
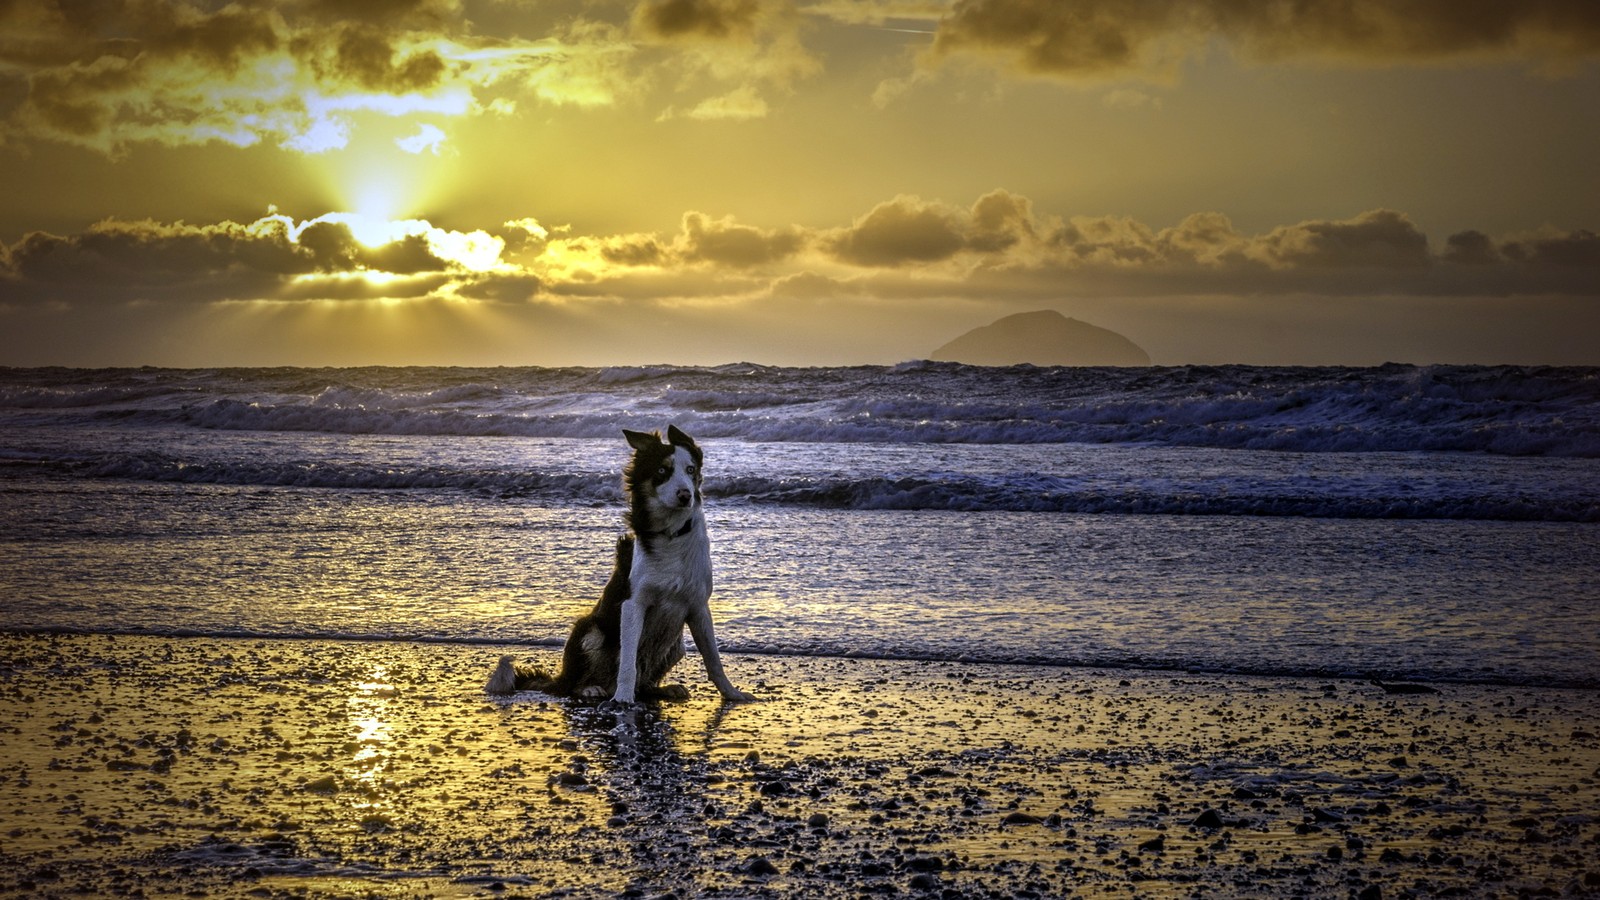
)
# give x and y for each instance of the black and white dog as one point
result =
(660, 582)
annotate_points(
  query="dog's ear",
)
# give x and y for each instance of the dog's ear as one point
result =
(678, 438)
(639, 440)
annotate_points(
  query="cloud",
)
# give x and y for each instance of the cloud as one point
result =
(302, 75)
(274, 257)
(903, 231)
(1471, 248)
(1381, 238)
(908, 231)
(740, 104)
(111, 251)
(706, 20)
(747, 43)
(931, 246)
(700, 242)
(905, 250)
(369, 57)
(585, 64)
(296, 75)
(1101, 40)
(1553, 247)
(726, 243)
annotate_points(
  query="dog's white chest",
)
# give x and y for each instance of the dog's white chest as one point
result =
(678, 569)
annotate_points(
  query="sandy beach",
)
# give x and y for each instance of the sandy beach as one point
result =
(305, 768)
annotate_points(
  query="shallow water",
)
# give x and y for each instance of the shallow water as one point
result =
(379, 503)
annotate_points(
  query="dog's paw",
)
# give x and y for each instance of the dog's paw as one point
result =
(672, 692)
(735, 695)
(592, 692)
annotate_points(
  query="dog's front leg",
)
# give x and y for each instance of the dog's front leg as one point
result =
(628, 654)
(705, 640)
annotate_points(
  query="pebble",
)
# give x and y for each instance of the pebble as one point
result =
(760, 867)
(927, 800)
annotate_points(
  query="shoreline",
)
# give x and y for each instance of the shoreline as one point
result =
(243, 766)
(553, 647)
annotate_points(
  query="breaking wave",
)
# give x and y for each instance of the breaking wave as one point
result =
(1522, 411)
(1378, 497)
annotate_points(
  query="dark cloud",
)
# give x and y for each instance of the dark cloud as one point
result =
(41, 33)
(906, 246)
(1470, 248)
(115, 73)
(1380, 238)
(696, 19)
(71, 100)
(407, 13)
(809, 285)
(116, 260)
(1000, 220)
(119, 252)
(1411, 30)
(1575, 249)
(331, 246)
(1002, 229)
(512, 288)
(630, 250)
(903, 231)
(702, 240)
(223, 39)
(1105, 240)
(1099, 39)
(910, 231)
(1374, 253)
(366, 56)
(726, 243)
(1043, 37)
(407, 256)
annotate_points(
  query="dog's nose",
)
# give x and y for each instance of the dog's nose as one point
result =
(684, 496)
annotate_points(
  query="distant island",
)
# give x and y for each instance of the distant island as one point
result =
(1043, 338)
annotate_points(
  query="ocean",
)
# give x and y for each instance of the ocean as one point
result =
(1427, 523)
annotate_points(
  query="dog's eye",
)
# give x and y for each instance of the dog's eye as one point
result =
(691, 468)
(664, 470)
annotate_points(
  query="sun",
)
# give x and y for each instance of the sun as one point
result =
(375, 206)
(382, 195)
(376, 181)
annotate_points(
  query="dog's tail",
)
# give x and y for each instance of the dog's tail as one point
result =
(510, 677)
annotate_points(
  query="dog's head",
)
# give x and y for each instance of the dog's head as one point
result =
(664, 476)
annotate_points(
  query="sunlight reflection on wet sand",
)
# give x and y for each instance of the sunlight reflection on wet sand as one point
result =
(381, 769)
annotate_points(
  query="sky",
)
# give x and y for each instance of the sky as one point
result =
(815, 182)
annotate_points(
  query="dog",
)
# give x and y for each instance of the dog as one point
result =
(660, 582)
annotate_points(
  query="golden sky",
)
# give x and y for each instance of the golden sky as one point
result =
(595, 182)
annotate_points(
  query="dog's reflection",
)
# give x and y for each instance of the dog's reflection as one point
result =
(653, 770)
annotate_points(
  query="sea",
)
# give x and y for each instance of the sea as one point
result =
(1426, 523)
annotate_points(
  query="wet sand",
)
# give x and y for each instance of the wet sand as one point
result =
(252, 768)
